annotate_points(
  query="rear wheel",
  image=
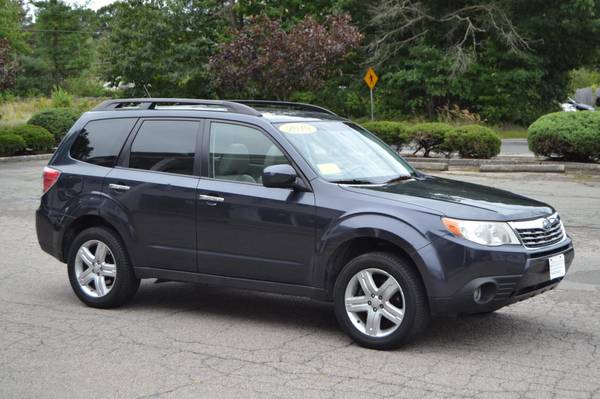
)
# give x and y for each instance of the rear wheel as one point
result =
(99, 269)
(380, 301)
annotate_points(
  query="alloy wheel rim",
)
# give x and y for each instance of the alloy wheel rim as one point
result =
(95, 268)
(374, 302)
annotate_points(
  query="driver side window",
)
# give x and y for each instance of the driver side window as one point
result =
(240, 153)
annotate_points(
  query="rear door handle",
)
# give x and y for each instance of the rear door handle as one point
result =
(118, 187)
(211, 198)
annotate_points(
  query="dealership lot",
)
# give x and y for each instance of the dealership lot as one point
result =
(178, 340)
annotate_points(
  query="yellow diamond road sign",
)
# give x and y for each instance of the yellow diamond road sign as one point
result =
(371, 78)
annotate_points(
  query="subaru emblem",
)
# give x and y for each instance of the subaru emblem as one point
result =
(549, 223)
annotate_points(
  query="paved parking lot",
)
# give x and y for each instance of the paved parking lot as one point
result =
(178, 340)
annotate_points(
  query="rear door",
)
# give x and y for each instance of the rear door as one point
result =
(155, 186)
(247, 230)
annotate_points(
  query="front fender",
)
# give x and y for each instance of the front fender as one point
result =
(368, 225)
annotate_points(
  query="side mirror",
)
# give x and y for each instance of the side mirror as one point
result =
(279, 176)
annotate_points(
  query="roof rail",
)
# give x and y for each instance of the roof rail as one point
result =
(152, 103)
(285, 104)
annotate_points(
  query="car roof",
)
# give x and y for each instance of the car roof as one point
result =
(272, 111)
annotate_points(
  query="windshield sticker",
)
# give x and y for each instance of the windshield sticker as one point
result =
(297, 128)
(329, 168)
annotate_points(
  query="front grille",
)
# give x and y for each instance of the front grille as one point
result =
(540, 232)
(536, 238)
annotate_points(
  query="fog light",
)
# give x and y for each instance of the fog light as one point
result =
(484, 293)
(477, 295)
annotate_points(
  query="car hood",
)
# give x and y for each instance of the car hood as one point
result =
(459, 199)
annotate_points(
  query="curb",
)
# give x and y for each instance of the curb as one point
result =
(439, 166)
(523, 168)
(514, 164)
(24, 158)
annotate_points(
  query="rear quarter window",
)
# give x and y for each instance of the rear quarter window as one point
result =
(100, 142)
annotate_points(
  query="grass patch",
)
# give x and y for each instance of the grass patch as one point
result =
(20, 110)
(512, 133)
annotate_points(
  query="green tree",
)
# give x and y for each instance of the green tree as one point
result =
(163, 45)
(290, 12)
(12, 19)
(8, 65)
(504, 59)
(12, 41)
(64, 38)
(62, 46)
(420, 83)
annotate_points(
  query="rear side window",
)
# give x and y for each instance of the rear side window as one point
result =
(165, 146)
(100, 142)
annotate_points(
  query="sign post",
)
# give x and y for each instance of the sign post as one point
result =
(371, 79)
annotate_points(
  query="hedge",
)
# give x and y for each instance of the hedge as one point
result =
(36, 138)
(393, 133)
(57, 121)
(11, 144)
(573, 136)
(429, 136)
(473, 141)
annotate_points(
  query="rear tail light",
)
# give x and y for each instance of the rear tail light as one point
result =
(50, 177)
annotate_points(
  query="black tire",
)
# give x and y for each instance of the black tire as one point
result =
(125, 284)
(416, 308)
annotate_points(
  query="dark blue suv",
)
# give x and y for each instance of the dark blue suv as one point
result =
(287, 198)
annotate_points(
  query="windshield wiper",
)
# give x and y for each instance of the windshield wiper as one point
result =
(399, 179)
(352, 181)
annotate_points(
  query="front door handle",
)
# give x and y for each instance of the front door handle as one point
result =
(211, 198)
(118, 187)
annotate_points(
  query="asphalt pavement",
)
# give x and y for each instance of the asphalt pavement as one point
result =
(181, 340)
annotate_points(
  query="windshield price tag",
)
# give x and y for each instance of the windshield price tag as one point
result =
(329, 168)
(297, 128)
(557, 266)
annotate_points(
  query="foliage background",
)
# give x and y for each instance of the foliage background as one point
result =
(502, 61)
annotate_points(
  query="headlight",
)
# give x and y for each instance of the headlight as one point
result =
(486, 233)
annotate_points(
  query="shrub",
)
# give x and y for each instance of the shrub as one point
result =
(85, 86)
(393, 133)
(87, 104)
(429, 136)
(61, 99)
(473, 141)
(10, 144)
(574, 136)
(57, 121)
(36, 137)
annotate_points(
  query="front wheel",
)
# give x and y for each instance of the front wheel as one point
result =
(99, 269)
(380, 301)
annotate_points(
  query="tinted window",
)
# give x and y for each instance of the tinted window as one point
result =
(100, 141)
(165, 146)
(241, 153)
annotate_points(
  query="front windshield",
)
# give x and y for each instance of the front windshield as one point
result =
(342, 152)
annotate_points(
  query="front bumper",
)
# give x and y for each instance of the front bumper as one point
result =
(503, 276)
